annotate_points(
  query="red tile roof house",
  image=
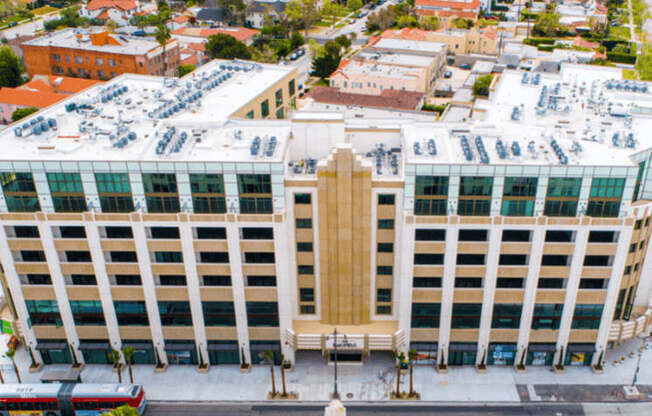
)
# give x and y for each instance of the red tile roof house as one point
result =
(42, 91)
(119, 11)
(178, 22)
(196, 34)
(445, 10)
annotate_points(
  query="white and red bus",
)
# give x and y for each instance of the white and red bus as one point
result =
(69, 399)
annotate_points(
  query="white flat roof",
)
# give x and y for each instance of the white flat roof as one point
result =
(405, 59)
(79, 39)
(413, 45)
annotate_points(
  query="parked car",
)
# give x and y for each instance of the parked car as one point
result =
(465, 66)
(448, 74)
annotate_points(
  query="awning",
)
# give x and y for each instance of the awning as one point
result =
(222, 347)
(264, 347)
(138, 345)
(542, 348)
(455, 346)
(180, 347)
(424, 346)
(71, 375)
(581, 347)
(51, 345)
(94, 346)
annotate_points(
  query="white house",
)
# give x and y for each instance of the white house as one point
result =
(119, 11)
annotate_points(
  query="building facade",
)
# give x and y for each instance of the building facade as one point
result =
(210, 240)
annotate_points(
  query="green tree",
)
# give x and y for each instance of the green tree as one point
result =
(353, 4)
(400, 364)
(22, 113)
(11, 353)
(326, 59)
(406, 21)
(302, 14)
(461, 23)
(281, 47)
(185, 69)
(412, 356)
(122, 411)
(429, 23)
(10, 68)
(330, 10)
(481, 85)
(547, 24)
(644, 62)
(343, 41)
(268, 357)
(162, 36)
(233, 11)
(128, 353)
(226, 47)
(297, 40)
(115, 357)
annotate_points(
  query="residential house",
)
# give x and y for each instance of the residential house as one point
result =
(118, 11)
(448, 9)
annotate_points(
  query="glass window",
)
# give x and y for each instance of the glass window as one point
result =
(304, 247)
(429, 235)
(255, 193)
(475, 195)
(466, 315)
(425, 315)
(257, 233)
(278, 95)
(428, 258)
(44, 312)
(164, 233)
(114, 190)
(556, 236)
(32, 256)
(304, 222)
(307, 269)
(83, 279)
(291, 87)
(386, 224)
(218, 313)
(38, 279)
(431, 195)
(211, 233)
(256, 257)
(72, 232)
(118, 232)
(517, 235)
(306, 294)
(216, 280)
(307, 309)
(250, 115)
(551, 283)
(509, 282)
(547, 315)
(385, 247)
(161, 192)
(67, 192)
(123, 256)
(639, 176)
(386, 199)
(426, 282)
(168, 257)
(383, 295)
(562, 197)
(175, 313)
(20, 192)
(587, 316)
(172, 280)
(77, 256)
(261, 281)
(213, 257)
(605, 196)
(26, 231)
(127, 280)
(131, 313)
(264, 108)
(302, 198)
(472, 282)
(506, 315)
(473, 235)
(208, 193)
(87, 312)
(262, 314)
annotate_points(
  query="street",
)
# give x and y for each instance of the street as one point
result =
(28, 29)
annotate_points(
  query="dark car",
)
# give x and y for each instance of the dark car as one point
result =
(448, 74)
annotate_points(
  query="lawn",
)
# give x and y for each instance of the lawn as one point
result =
(629, 74)
(619, 32)
(44, 10)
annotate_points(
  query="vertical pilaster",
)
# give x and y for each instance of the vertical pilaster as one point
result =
(90, 191)
(448, 289)
(185, 194)
(489, 291)
(237, 281)
(283, 285)
(43, 189)
(404, 281)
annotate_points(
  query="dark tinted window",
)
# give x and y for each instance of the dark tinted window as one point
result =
(602, 237)
(251, 233)
(516, 235)
(428, 258)
(211, 233)
(555, 236)
(513, 259)
(26, 231)
(118, 232)
(429, 235)
(473, 235)
(72, 232)
(165, 233)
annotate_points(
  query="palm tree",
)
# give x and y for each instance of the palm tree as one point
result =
(412, 355)
(268, 356)
(115, 357)
(128, 353)
(285, 393)
(11, 352)
(400, 357)
(162, 36)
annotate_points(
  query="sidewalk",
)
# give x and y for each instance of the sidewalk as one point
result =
(374, 380)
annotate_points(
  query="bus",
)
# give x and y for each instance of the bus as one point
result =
(69, 399)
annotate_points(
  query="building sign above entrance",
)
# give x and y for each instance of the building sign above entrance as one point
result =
(345, 342)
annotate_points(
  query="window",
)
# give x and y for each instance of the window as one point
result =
(304, 247)
(471, 259)
(278, 96)
(506, 315)
(291, 87)
(175, 313)
(547, 315)
(384, 270)
(385, 247)
(604, 198)
(168, 257)
(386, 224)
(161, 192)
(383, 309)
(628, 270)
(216, 280)
(118, 232)
(67, 192)
(603, 237)
(554, 260)
(307, 309)
(306, 294)
(172, 280)
(383, 295)
(562, 197)
(255, 191)
(127, 280)
(207, 193)
(77, 256)
(131, 313)
(593, 283)
(83, 279)
(211, 233)
(512, 260)
(587, 316)
(72, 232)
(111, 62)
(38, 279)
(32, 256)
(429, 235)
(468, 282)
(306, 269)
(519, 195)
(554, 236)
(472, 235)
(213, 257)
(98, 62)
(428, 258)
(250, 115)
(262, 314)
(425, 315)
(509, 283)
(475, 195)
(26, 231)
(551, 283)
(251, 233)
(123, 257)
(426, 282)
(259, 257)
(164, 233)
(44, 312)
(79, 60)
(597, 261)
(516, 235)
(302, 198)
(261, 281)
(87, 312)
(20, 192)
(304, 222)
(264, 108)
(431, 195)
(386, 199)
(466, 315)
(218, 313)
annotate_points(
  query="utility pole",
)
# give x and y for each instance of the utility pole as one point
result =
(335, 393)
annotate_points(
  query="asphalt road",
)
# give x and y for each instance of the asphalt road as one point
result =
(385, 409)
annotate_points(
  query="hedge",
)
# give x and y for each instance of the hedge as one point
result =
(538, 41)
(546, 48)
(612, 43)
(623, 58)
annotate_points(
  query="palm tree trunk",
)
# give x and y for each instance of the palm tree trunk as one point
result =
(271, 368)
(285, 393)
(398, 380)
(2, 379)
(411, 383)
(131, 373)
(16, 370)
(119, 374)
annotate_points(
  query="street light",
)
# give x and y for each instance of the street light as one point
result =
(335, 393)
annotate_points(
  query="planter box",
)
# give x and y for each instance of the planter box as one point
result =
(203, 368)
(404, 396)
(597, 369)
(559, 370)
(290, 396)
(519, 369)
(481, 369)
(35, 368)
(78, 366)
(160, 368)
(244, 369)
(442, 369)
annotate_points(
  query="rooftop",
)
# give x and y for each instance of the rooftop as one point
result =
(380, 70)
(390, 58)
(84, 39)
(411, 45)
(404, 100)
